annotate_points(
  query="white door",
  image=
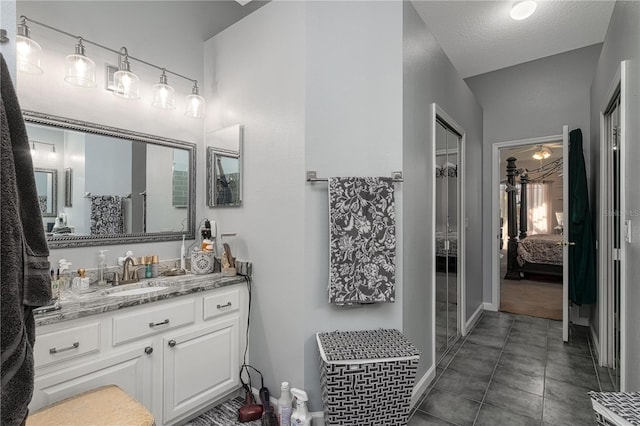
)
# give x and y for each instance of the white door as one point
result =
(565, 232)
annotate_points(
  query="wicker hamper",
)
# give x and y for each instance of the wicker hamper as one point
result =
(366, 377)
(616, 408)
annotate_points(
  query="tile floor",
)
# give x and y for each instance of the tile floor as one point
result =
(514, 370)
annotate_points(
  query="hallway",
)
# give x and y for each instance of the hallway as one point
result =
(514, 370)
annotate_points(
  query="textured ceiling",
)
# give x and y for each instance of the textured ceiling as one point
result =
(480, 36)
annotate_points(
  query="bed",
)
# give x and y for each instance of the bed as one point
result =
(539, 254)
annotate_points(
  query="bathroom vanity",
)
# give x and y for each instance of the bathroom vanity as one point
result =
(173, 343)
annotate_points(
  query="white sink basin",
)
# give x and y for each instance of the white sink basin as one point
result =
(134, 291)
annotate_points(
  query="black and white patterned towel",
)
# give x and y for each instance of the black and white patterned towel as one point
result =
(362, 240)
(106, 215)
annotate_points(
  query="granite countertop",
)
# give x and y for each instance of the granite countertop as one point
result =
(108, 298)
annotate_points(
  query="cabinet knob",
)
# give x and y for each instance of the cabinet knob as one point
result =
(172, 343)
(148, 350)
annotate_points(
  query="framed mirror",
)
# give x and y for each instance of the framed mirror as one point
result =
(120, 186)
(224, 167)
(47, 187)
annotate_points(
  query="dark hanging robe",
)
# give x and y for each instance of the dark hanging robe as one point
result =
(24, 270)
(582, 255)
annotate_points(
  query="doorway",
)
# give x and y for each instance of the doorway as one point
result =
(611, 246)
(530, 257)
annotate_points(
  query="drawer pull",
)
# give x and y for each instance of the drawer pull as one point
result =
(153, 324)
(56, 351)
(148, 350)
(228, 304)
(172, 343)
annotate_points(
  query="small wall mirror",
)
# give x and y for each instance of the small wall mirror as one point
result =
(224, 167)
(47, 187)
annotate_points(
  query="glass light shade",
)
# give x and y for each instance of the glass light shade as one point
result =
(80, 71)
(34, 153)
(127, 85)
(52, 155)
(28, 53)
(195, 106)
(163, 96)
(524, 9)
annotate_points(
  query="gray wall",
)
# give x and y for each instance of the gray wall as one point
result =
(428, 77)
(531, 100)
(622, 43)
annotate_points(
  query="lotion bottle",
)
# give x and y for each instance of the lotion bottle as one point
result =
(284, 405)
(102, 264)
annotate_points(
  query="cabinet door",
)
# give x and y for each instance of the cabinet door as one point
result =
(131, 370)
(199, 366)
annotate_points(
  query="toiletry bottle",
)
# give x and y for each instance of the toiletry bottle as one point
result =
(182, 256)
(284, 405)
(300, 416)
(155, 267)
(81, 283)
(55, 290)
(64, 283)
(102, 264)
(147, 266)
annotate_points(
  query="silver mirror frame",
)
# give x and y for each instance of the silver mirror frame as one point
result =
(64, 241)
(54, 191)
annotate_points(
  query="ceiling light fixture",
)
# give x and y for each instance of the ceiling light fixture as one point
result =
(80, 70)
(542, 154)
(523, 9)
(28, 51)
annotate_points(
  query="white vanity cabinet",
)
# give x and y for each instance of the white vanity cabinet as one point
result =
(176, 356)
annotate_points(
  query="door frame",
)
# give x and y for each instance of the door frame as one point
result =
(437, 111)
(619, 83)
(495, 207)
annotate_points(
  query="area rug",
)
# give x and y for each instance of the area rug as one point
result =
(533, 298)
(225, 414)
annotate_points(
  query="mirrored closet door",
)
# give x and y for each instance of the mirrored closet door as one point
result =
(446, 235)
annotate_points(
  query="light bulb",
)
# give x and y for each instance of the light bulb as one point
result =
(163, 94)
(28, 51)
(195, 104)
(80, 70)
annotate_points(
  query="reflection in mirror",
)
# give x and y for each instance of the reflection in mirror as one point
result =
(224, 167)
(47, 187)
(125, 186)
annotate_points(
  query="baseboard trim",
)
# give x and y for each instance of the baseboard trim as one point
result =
(474, 318)
(596, 343)
(422, 385)
(490, 307)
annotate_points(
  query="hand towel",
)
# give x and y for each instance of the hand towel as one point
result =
(24, 269)
(106, 215)
(362, 240)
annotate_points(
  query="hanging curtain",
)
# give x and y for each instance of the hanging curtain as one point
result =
(582, 255)
(539, 204)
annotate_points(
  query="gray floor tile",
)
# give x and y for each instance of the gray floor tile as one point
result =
(463, 384)
(491, 330)
(528, 339)
(576, 377)
(523, 364)
(556, 325)
(526, 350)
(574, 348)
(425, 419)
(516, 400)
(470, 349)
(529, 327)
(491, 341)
(569, 359)
(560, 414)
(492, 416)
(475, 367)
(542, 322)
(451, 407)
(526, 382)
(567, 393)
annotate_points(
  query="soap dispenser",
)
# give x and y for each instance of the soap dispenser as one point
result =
(102, 264)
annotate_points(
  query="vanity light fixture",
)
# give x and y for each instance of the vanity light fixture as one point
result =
(28, 51)
(523, 9)
(52, 155)
(34, 153)
(195, 103)
(80, 70)
(163, 94)
(127, 83)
